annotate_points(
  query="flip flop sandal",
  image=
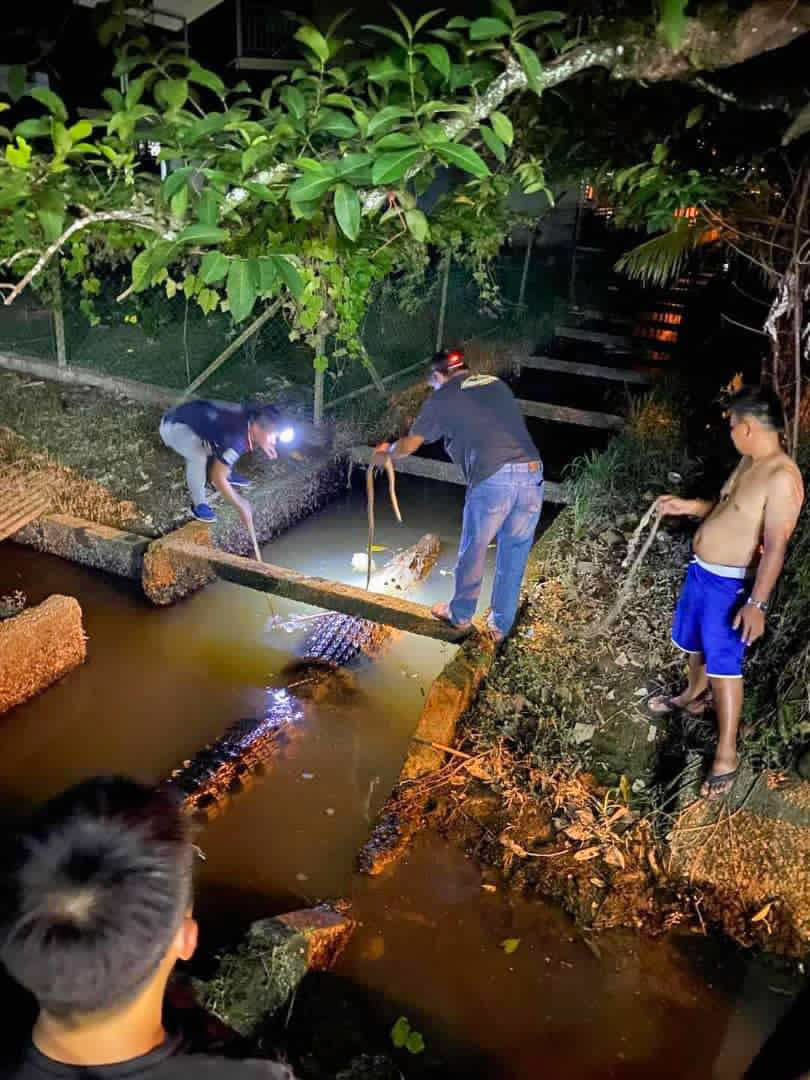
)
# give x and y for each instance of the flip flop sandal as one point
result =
(714, 781)
(702, 701)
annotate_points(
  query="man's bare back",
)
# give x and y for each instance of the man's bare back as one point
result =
(767, 489)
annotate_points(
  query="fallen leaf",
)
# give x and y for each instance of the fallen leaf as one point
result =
(613, 857)
(586, 853)
(510, 944)
(763, 912)
(489, 888)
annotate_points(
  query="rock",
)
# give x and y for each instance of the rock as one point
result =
(610, 536)
(583, 733)
(38, 647)
(257, 978)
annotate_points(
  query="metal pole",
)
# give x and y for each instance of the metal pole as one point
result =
(526, 261)
(317, 402)
(443, 306)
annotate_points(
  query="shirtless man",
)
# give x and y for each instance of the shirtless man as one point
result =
(739, 551)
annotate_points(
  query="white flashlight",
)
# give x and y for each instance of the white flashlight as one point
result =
(286, 435)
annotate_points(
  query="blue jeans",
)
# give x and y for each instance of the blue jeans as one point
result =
(506, 507)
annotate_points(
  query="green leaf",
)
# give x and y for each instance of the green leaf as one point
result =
(353, 164)
(202, 234)
(295, 101)
(173, 92)
(439, 58)
(541, 18)
(417, 224)
(694, 117)
(400, 1032)
(415, 1044)
(339, 99)
(386, 116)
(659, 153)
(509, 945)
(310, 186)
(205, 126)
(52, 222)
(213, 267)
(458, 22)
(336, 123)
(208, 207)
(268, 276)
(15, 80)
(174, 181)
(179, 204)
(314, 40)
(403, 18)
(505, 10)
(254, 154)
(347, 210)
(488, 27)
(423, 20)
(203, 77)
(149, 262)
(530, 62)
(392, 35)
(502, 126)
(799, 127)
(32, 129)
(80, 130)
(493, 142)
(52, 102)
(240, 290)
(289, 275)
(385, 70)
(672, 23)
(464, 157)
(397, 140)
(388, 168)
(62, 141)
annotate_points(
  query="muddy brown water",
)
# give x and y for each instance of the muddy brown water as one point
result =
(159, 684)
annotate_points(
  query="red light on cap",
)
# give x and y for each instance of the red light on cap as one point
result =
(455, 359)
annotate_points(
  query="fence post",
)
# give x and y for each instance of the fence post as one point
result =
(525, 276)
(59, 319)
(320, 372)
(443, 306)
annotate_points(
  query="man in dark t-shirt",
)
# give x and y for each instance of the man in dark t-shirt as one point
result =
(97, 911)
(485, 434)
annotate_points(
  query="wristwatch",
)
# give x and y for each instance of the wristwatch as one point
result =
(763, 607)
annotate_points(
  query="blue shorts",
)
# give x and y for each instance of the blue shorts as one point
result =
(706, 609)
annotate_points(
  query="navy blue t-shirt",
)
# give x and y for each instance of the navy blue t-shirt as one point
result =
(223, 427)
(481, 423)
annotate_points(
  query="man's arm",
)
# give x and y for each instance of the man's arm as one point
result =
(403, 447)
(783, 503)
(220, 473)
(674, 505)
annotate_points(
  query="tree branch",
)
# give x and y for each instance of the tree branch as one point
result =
(732, 99)
(132, 216)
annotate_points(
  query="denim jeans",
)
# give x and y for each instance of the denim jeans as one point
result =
(506, 508)
(180, 438)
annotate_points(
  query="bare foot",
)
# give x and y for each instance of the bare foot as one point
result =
(442, 612)
(721, 779)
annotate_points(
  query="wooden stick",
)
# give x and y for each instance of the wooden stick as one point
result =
(441, 746)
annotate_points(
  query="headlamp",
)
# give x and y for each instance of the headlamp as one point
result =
(286, 435)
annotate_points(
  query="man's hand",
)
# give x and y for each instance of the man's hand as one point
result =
(380, 455)
(674, 505)
(270, 450)
(751, 622)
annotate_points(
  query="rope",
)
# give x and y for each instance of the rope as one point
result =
(624, 591)
(392, 492)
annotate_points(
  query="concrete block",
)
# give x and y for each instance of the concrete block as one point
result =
(39, 646)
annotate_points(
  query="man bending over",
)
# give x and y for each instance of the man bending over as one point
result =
(212, 436)
(739, 550)
(97, 913)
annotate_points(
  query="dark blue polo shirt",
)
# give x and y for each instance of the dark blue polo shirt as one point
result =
(221, 426)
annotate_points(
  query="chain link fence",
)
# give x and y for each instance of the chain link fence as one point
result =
(168, 343)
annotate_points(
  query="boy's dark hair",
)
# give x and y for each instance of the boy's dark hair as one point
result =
(266, 416)
(448, 362)
(99, 883)
(761, 403)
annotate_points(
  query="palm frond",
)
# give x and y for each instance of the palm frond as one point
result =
(661, 259)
